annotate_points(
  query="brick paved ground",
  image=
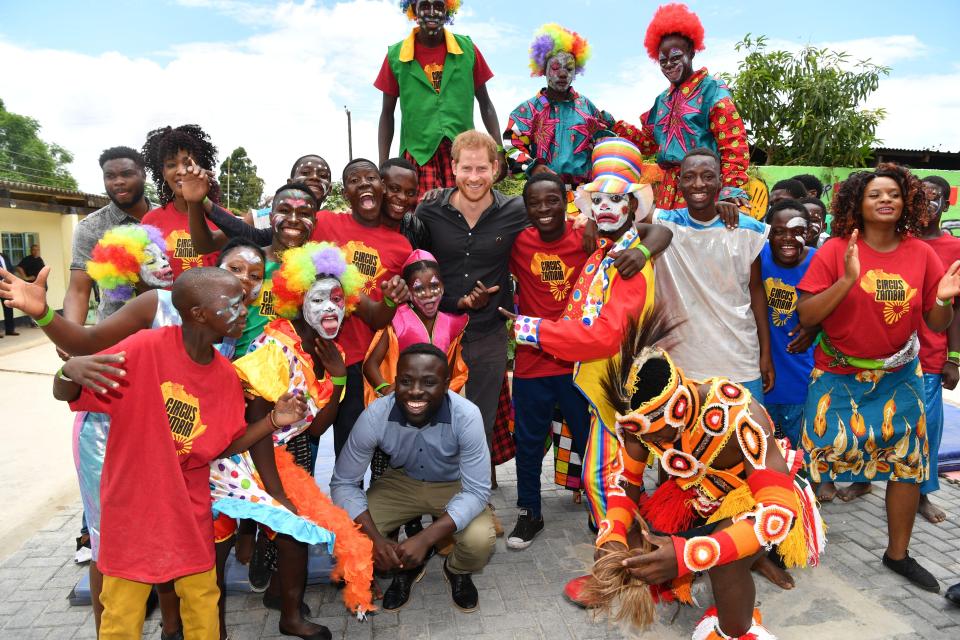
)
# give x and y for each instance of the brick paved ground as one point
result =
(849, 596)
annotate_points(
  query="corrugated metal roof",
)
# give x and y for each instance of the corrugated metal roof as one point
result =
(27, 187)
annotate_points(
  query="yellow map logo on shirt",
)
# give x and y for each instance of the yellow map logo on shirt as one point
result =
(553, 272)
(265, 300)
(434, 75)
(367, 261)
(889, 290)
(782, 300)
(180, 247)
(183, 414)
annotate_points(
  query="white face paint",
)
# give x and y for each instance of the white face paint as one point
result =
(155, 270)
(248, 254)
(798, 228)
(229, 310)
(560, 70)
(610, 210)
(324, 307)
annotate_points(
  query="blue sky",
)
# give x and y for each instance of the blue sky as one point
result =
(120, 69)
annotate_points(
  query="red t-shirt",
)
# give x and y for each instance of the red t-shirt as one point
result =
(175, 226)
(169, 419)
(546, 273)
(377, 252)
(880, 312)
(933, 346)
(431, 59)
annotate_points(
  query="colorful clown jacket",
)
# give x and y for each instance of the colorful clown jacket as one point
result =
(557, 134)
(698, 113)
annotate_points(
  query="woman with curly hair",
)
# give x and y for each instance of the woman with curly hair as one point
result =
(313, 290)
(167, 153)
(695, 111)
(870, 287)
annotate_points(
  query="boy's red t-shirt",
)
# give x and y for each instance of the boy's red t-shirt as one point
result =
(933, 346)
(378, 253)
(877, 316)
(545, 273)
(168, 420)
(175, 226)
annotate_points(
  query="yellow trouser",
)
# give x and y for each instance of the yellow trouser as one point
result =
(125, 603)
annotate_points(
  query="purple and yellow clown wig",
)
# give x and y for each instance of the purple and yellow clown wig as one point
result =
(410, 8)
(302, 266)
(118, 256)
(551, 39)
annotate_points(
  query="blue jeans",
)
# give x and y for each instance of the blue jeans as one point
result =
(534, 400)
(789, 420)
(933, 406)
(755, 387)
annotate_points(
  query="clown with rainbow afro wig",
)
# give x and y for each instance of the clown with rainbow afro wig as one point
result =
(313, 290)
(409, 7)
(127, 255)
(536, 127)
(697, 110)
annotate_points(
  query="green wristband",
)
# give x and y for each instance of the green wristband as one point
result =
(339, 381)
(389, 302)
(644, 250)
(46, 318)
(61, 376)
(381, 386)
(953, 354)
(945, 303)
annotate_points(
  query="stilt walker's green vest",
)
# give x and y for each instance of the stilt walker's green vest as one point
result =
(427, 117)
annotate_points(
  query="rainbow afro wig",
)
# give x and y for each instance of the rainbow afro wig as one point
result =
(410, 8)
(673, 19)
(551, 39)
(118, 256)
(302, 266)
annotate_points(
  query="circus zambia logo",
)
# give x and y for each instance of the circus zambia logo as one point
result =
(367, 261)
(889, 290)
(553, 272)
(183, 414)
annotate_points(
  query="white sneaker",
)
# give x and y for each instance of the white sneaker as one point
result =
(84, 555)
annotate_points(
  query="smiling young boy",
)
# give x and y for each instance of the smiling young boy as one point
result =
(546, 260)
(783, 261)
(400, 198)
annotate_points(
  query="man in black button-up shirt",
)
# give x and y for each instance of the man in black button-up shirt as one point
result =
(472, 229)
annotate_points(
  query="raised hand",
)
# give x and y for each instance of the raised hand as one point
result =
(96, 372)
(851, 259)
(396, 289)
(29, 297)
(195, 183)
(657, 566)
(330, 357)
(478, 298)
(289, 409)
(949, 286)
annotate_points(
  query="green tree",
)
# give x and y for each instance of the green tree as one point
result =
(512, 185)
(242, 187)
(335, 201)
(805, 108)
(26, 158)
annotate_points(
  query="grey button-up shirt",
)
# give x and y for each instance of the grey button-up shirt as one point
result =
(85, 238)
(452, 446)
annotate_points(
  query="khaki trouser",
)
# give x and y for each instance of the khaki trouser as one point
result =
(395, 498)
(125, 605)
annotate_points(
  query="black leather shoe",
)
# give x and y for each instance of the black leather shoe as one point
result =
(398, 593)
(462, 590)
(274, 602)
(953, 594)
(912, 571)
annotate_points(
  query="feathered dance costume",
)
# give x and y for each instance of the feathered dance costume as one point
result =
(698, 113)
(768, 508)
(277, 364)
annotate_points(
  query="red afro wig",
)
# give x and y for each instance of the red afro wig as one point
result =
(673, 19)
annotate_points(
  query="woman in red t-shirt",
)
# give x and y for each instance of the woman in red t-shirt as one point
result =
(870, 287)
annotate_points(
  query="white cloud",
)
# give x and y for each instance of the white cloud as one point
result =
(280, 93)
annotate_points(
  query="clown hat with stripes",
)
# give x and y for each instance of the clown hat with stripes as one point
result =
(617, 167)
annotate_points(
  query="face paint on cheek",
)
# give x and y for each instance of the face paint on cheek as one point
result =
(155, 271)
(275, 220)
(609, 215)
(230, 309)
(320, 309)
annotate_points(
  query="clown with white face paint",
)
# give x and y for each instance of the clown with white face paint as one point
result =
(418, 321)
(119, 250)
(556, 129)
(313, 290)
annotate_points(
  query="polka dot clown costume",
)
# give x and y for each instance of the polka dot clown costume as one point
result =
(696, 111)
(277, 363)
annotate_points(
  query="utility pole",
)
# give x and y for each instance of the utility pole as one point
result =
(349, 134)
(228, 180)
